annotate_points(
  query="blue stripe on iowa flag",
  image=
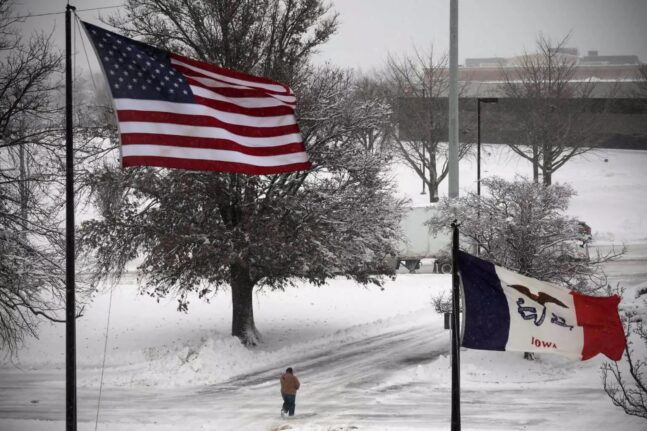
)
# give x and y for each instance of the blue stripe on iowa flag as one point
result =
(486, 314)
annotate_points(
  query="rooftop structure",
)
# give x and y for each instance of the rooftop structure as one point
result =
(591, 66)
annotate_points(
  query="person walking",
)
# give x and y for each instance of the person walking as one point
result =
(289, 386)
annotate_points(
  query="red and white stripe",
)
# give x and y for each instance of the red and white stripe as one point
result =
(239, 123)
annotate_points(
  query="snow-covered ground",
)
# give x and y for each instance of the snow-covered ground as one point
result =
(610, 186)
(368, 358)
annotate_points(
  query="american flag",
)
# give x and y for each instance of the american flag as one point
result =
(175, 112)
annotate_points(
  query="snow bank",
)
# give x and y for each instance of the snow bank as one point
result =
(151, 344)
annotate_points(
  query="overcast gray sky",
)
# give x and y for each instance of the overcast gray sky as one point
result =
(487, 28)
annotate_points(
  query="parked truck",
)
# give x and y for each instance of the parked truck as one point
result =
(419, 245)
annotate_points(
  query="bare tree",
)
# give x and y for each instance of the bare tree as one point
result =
(201, 231)
(625, 382)
(372, 96)
(550, 108)
(32, 254)
(418, 86)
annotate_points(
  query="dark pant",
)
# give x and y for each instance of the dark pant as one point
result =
(288, 403)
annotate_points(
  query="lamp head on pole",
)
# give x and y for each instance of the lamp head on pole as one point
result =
(488, 100)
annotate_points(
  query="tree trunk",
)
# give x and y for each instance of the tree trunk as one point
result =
(433, 191)
(546, 172)
(242, 321)
(548, 177)
(433, 178)
(535, 163)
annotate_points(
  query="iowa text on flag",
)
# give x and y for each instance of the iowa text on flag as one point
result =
(505, 310)
(176, 112)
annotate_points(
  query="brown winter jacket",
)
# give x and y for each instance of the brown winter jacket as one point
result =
(289, 384)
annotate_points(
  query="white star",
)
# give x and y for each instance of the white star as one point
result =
(143, 87)
(185, 92)
(118, 41)
(158, 89)
(167, 78)
(175, 85)
(121, 79)
(130, 87)
(140, 74)
(135, 80)
(157, 71)
(171, 91)
(129, 48)
(125, 73)
(116, 85)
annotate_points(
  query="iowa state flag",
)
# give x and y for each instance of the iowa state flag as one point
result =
(508, 311)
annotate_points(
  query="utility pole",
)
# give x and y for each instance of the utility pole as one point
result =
(453, 99)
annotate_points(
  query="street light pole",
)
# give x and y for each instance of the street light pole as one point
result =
(452, 156)
(480, 100)
(478, 138)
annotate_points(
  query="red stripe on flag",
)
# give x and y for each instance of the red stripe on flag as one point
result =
(227, 72)
(271, 111)
(210, 143)
(603, 331)
(226, 91)
(205, 121)
(211, 165)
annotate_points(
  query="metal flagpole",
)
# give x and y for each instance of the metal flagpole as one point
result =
(455, 331)
(70, 306)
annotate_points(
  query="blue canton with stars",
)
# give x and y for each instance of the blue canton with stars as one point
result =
(136, 70)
